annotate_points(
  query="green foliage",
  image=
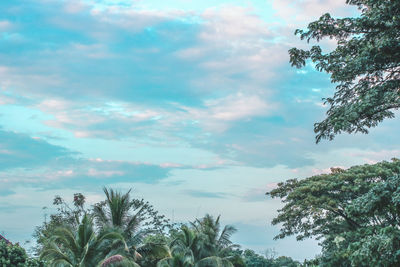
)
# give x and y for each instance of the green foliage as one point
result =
(252, 259)
(14, 255)
(283, 261)
(355, 212)
(214, 240)
(66, 216)
(365, 65)
(121, 231)
(118, 261)
(82, 246)
(121, 211)
(153, 252)
(134, 218)
(203, 243)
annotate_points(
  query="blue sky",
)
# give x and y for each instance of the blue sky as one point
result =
(193, 104)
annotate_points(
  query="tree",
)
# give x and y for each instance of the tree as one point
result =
(355, 213)
(135, 218)
(253, 259)
(83, 247)
(65, 217)
(214, 240)
(249, 258)
(131, 215)
(187, 242)
(203, 243)
(14, 255)
(365, 66)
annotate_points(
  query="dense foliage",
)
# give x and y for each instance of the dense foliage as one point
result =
(355, 213)
(134, 218)
(83, 246)
(252, 259)
(204, 243)
(365, 65)
(14, 255)
(121, 231)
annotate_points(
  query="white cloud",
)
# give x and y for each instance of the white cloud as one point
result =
(5, 25)
(219, 113)
(231, 23)
(75, 6)
(131, 18)
(304, 11)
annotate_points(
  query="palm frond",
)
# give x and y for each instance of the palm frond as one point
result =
(214, 262)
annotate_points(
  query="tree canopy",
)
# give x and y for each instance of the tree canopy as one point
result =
(355, 213)
(14, 255)
(83, 247)
(365, 65)
(123, 231)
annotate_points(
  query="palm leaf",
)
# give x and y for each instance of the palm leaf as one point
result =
(214, 262)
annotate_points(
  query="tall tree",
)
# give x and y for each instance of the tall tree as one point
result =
(365, 66)
(135, 218)
(355, 213)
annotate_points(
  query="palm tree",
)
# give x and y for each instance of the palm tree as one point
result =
(134, 218)
(183, 249)
(203, 245)
(215, 242)
(177, 260)
(115, 212)
(82, 247)
(186, 242)
(153, 252)
(214, 261)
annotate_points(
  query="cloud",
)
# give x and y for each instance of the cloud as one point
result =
(6, 192)
(26, 160)
(5, 25)
(303, 11)
(258, 193)
(205, 194)
(85, 173)
(196, 108)
(216, 79)
(22, 151)
(211, 80)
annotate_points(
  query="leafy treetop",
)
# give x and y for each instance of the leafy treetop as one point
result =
(355, 212)
(365, 66)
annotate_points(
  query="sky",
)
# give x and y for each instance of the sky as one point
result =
(192, 104)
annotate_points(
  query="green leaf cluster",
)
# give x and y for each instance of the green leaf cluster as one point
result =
(354, 212)
(101, 235)
(203, 243)
(121, 231)
(253, 259)
(365, 65)
(14, 255)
